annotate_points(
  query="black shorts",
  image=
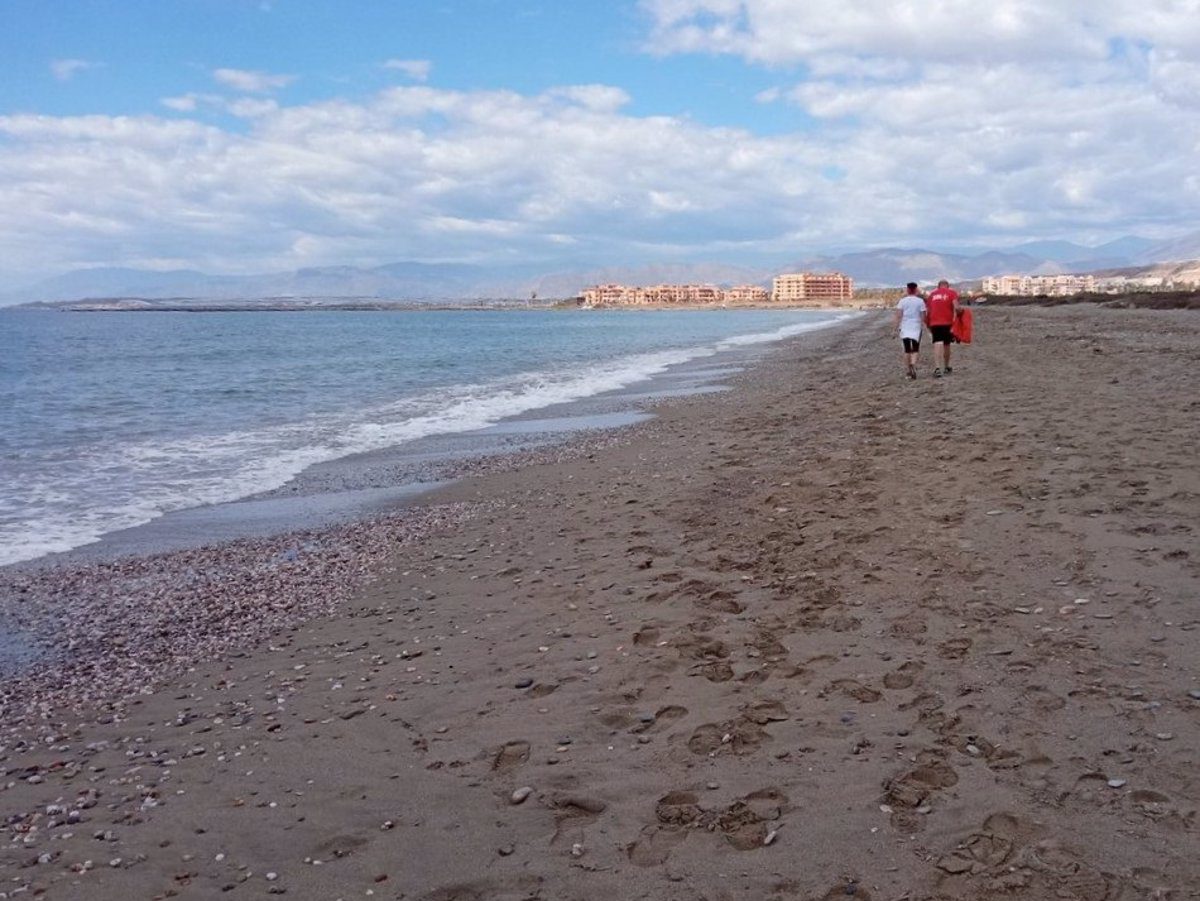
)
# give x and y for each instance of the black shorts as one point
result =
(941, 334)
(911, 345)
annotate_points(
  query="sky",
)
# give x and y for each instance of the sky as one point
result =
(244, 136)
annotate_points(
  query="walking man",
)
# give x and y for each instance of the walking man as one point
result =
(910, 317)
(941, 306)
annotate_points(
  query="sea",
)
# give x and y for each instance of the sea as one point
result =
(113, 420)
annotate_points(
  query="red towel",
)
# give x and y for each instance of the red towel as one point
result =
(961, 329)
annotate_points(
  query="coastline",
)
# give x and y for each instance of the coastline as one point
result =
(816, 636)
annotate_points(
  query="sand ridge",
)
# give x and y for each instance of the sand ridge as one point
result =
(832, 634)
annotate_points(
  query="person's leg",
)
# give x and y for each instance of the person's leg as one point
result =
(939, 353)
(946, 356)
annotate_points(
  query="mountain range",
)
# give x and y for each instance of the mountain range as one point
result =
(414, 281)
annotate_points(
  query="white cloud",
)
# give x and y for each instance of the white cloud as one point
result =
(956, 148)
(783, 32)
(251, 82)
(66, 69)
(182, 104)
(416, 69)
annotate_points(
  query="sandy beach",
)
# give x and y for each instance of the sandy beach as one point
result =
(829, 634)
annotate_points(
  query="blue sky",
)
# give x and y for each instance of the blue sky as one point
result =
(244, 136)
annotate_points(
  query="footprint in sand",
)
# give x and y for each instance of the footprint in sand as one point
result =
(987, 849)
(647, 635)
(909, 791)
(718, 671)
(954, 649)
(903, 676)
(663, 718)
(1042, 699)
(510, 756)
(769, 646)
(720, 601)
(699, 647)
(654, 845)
(744, 823)
(856, 690)
(908, 627)
(735, 737)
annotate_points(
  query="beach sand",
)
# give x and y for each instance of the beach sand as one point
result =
(830, 634)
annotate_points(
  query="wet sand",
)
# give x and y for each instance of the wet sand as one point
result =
(829, 634)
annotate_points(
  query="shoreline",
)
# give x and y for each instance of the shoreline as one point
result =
(829, 633)
(263, 507)
(61, 651)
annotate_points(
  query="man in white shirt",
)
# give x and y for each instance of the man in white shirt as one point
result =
(910, 319)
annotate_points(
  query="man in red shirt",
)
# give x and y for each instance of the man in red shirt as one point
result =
(941, 306)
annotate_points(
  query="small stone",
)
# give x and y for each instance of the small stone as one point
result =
(1164, 736)
(770, 837)
(973, 750)
(577, 850)
(271, 877)
(505, 850)
(1116, 783)
(519, 796)
(524, 683)
(646, 718)
(1194, 694)
(713, 786)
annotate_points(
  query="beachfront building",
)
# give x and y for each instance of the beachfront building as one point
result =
(1031, 285)
(748, 294)
(812, 288)
(665, 295)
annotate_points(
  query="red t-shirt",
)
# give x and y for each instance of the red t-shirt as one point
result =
(939, 306)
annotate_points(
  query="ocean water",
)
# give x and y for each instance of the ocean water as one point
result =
(111, 420)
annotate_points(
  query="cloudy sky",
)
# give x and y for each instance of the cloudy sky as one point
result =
(257, 135)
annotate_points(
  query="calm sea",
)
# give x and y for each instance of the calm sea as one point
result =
(110, 420)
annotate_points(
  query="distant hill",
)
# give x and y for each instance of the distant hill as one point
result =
(1175, 250)
(409, 282)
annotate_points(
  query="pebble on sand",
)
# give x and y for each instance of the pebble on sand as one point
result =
(519, 796)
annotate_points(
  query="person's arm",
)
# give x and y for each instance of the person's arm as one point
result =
(896, 321)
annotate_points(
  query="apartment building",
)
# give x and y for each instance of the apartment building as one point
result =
(798, 289)
(656, 295)
(1049, 285)
(812, 288)
(748, 294)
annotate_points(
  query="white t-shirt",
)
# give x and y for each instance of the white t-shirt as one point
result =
(911, 309)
